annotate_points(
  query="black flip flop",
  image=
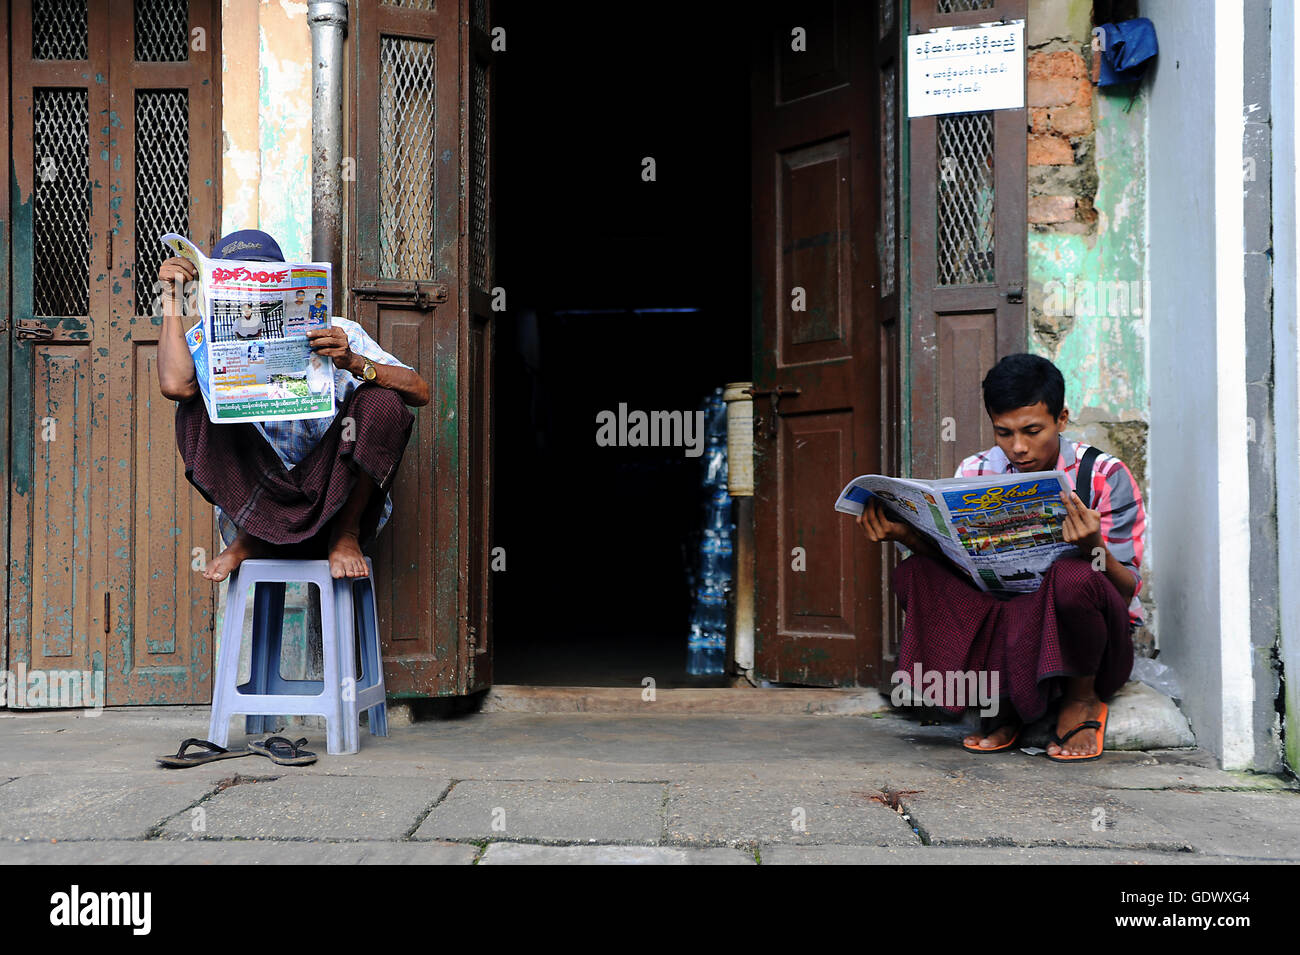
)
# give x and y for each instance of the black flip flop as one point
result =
(280, 750)
(210, 754)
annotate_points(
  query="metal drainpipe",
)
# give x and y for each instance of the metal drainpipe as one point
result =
(328, 20)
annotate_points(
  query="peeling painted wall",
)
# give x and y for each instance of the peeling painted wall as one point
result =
(1089, 291)
(266, 184)
(266, 121)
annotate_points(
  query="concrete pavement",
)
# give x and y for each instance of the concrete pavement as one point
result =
(584, 788)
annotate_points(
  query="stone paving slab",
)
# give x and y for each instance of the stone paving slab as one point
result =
(969, 811)
(1263, 825)
(549, 811)
(253, 852)
(980, 855)
(1112, 771)
(313, 807)
(93, 805)
(813, 812)
(513, 853)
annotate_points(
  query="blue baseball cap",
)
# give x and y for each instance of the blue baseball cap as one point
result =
(248, 244)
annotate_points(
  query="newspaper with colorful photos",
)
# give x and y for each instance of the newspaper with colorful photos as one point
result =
(252, 340)
(1005, 530)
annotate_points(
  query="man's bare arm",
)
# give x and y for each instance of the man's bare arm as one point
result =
(176, 375)
(332, 342)
(1120, 576)
(405, 381)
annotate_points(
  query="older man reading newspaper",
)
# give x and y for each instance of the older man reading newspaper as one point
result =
(316, 487)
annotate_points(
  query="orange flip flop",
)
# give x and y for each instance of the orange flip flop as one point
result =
(1100, 727)
(994, 749)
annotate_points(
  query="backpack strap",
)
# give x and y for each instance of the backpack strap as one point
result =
(1083, 477)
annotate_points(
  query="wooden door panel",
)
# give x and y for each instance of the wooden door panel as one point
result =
(409, 599)
(816, 603)
(104, 523)
(823, 64)
(968, 199)
(419, 223)
(813, 206)
(164, 177)
(6, 325)
(170, 636)
(61, 492)
(815, 197)
(55, 497)
(967, 349)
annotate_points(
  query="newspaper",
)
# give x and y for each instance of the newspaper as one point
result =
(250, 348)
(1004, 530)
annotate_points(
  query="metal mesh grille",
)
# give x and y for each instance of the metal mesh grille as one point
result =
(406, 161)
(478, 14)
(162, 183)
(478, 224)
(61, 203)
(888, 183)
(411, 4)
(964, 210)
(162, 31)
(886, 17)
(961, 6)
(60, 29)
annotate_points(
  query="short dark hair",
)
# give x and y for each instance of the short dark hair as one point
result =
(1018, 381)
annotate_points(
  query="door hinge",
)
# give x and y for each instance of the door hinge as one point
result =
(421, 295)
(32, 329)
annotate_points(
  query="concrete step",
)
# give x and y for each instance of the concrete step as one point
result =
(738, 700)
(1140, 718)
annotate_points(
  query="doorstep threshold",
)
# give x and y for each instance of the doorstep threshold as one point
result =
(772, 701)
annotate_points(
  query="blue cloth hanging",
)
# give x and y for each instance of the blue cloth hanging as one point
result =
(1127, 46)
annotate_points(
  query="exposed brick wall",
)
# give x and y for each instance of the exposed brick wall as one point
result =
(1062, 173)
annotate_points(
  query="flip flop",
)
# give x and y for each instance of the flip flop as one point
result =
(210, 754)
(283, 752)
(994, 749)
(1099, 726)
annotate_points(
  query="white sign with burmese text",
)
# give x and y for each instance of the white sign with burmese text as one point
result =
(960, 71)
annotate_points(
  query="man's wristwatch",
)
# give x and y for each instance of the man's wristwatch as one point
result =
(367, 371)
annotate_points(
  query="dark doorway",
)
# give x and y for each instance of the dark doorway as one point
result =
(619, 291)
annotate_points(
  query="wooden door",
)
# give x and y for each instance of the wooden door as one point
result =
(968, 198)
(420, 273)
(817, 340)
(6, 334)
(116, 140)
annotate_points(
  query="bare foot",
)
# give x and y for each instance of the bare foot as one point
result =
(999, 737)
(1073, 712)
(244, 546)
(346, 559)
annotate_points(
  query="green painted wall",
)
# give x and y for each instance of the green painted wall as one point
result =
(1102, 354)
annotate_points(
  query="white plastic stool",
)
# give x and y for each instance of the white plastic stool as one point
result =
(348, 616)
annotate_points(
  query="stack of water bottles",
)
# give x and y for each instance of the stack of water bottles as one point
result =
(707, 646)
